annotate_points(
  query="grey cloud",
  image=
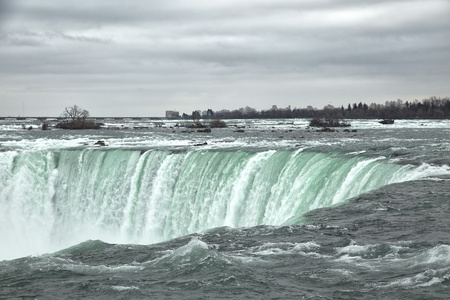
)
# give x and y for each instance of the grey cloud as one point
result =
(187, 50)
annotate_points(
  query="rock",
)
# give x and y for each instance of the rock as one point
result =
(326, 129)
(201, 144)
(100, 143)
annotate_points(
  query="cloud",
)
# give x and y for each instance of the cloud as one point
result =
(224, 54)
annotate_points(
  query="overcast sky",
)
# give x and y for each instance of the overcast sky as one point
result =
(141, 58)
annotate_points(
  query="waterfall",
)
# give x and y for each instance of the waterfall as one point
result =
(53, 199)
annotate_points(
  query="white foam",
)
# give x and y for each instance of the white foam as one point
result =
(284, 248)
(438, 255)
(100, 269)
(423, 279)
(121, 288)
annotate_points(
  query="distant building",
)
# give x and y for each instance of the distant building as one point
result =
(171, 114)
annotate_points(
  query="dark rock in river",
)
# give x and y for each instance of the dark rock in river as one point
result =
(100, 143)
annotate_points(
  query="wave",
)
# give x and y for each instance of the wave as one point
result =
(54, 199)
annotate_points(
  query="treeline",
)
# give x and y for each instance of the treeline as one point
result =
(431, 108)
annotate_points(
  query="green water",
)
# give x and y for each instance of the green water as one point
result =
(133, 196)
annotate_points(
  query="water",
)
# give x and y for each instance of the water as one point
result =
(276, 211)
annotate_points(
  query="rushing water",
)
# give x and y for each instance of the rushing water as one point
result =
(276, 211)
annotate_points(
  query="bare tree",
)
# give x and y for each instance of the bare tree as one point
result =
(76, 118)
(196, 117)
(75, 113)
(333, 118)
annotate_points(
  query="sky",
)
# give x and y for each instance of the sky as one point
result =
(141, 58)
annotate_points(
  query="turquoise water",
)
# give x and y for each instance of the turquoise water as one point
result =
(131, 196)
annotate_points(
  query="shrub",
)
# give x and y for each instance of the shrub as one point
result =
(217, 124)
